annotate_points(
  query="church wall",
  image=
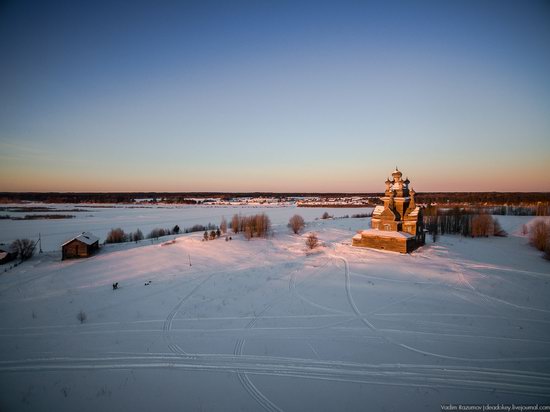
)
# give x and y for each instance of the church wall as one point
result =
(387, 243)
(410, 227)
(401, 207)
(389, 226)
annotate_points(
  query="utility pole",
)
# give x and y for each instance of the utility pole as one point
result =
(40, 243)
(189, 260)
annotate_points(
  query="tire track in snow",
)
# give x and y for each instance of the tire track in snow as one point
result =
(452, 377)
(350, 297)
(489, 298)
(245, 381)
(462, 279)
(258, 360)
(167, 326)
(407, 347)
(294, 290)
(463, 315)
(98, 325)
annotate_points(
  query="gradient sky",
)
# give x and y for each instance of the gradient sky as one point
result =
(274, 95)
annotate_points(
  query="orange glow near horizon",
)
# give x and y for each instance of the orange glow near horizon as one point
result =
(352, 180)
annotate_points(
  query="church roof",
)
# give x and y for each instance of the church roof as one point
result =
(396, 172)
(378, 210)
(388, 213)
(414, 213)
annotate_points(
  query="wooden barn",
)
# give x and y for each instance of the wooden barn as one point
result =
(83, 245)
(7, 253)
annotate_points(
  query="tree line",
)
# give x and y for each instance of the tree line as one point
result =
(475, 198)
(485, 198)
(258, 225)
(117, 235)
(466, 222)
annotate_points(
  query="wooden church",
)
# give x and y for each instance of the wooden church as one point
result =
(398, 225)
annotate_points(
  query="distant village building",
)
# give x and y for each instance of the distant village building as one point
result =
(83, 245)
(398, 225)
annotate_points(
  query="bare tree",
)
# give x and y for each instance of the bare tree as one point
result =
(296, 223)
(116, 236)
(24, 248)
(482, 225)
(236, 223)
(158, 232)
(539, 235)
(252, 226)
(81, 316)
(223, 226)
(312, 241)
(137, 236)
(248, 233)
(262, 224)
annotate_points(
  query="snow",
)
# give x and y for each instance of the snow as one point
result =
(84, 237)
(266, 324)
(383, 233)
(6, 248)
(100, 219)
(378, 210)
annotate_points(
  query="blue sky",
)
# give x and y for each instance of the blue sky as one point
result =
(274, 96)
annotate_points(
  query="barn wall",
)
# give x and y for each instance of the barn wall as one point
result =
(75, 249)
(8, 258)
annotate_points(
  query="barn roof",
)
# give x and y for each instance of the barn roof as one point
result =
(7, 248)
(84, 237)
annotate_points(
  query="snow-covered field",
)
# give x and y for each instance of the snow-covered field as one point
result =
(99, 220)
(262, 325)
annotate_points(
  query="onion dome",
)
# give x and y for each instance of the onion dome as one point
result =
(397, 173)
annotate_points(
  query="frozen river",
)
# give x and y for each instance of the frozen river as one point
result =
(99, 220)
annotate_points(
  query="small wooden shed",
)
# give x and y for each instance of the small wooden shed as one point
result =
(83, 245)
(7, 253)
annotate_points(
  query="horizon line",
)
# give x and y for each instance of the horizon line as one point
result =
(255, 192)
